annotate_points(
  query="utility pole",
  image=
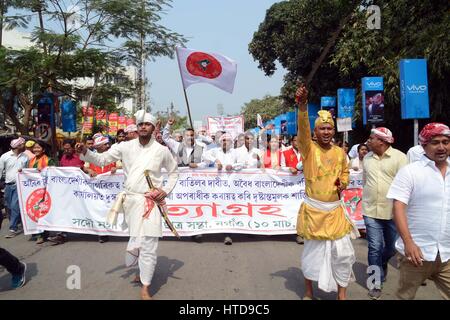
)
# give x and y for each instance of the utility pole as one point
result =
(172, 107)
(2, 12)
(141, 76)
(142, 98)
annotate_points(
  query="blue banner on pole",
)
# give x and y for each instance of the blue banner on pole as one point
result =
(69, 116)
(328, 102)
(266, 124)
(414, 89)
(313, 109)
(277, 121)
(281, 124)
(372, 100)
(346, 102)
(291, 123)
(45, 106)
(254, 131)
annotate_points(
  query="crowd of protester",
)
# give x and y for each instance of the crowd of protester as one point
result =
(375, 158)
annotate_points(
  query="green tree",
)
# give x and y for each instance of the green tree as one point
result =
(103, 36)
(409, 30)
(298, 33)
(181, 122)
(268, 107)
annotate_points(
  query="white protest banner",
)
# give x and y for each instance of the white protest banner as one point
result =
(73, 201)
(232, 125)
(203, 201)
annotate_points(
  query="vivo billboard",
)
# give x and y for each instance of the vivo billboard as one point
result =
(372, 100)
(414, 89)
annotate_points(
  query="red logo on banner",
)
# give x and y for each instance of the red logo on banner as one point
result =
(37, 206)
(203, 65)
(353, 203)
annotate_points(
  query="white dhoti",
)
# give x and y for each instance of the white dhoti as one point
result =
(142, 251)
(329, 262)
(144, 232)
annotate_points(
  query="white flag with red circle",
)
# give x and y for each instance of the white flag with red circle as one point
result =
(201, 67)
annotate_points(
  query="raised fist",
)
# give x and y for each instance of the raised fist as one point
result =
(301, 95)
(80, 148)
(171, 121)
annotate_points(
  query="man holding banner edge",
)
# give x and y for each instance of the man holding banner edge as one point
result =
(328, 254)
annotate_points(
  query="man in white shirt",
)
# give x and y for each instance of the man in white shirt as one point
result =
(140, 205)
(225, 156)
(188, 153)
(248, 155)
(202, 138)
(178, 137)
(12, 162)
(415, 153)
(422, 215)
(356, 164)
(215, 138)
(353, 153)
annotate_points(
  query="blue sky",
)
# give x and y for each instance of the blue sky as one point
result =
(224, 27)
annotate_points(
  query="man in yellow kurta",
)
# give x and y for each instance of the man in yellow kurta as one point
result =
(328, 254)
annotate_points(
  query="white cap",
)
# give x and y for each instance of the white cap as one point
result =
(142, 116)
(100, 141)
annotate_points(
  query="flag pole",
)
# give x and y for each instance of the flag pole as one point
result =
(184, 90)
(188, 108)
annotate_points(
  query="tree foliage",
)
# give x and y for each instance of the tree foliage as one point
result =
(296, 32)
(76, 40)
(268, 107)
(180, 121)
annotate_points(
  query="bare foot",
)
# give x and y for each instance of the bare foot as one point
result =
(144, 293)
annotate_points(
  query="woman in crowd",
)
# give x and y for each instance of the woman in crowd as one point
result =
(272, 157)
(357, 163)
(41, 161)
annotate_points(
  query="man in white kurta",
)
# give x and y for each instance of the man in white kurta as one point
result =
(248, 155)
(224, 157)
(138, 155)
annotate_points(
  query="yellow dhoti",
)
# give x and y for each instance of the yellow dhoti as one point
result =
(319, 220)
